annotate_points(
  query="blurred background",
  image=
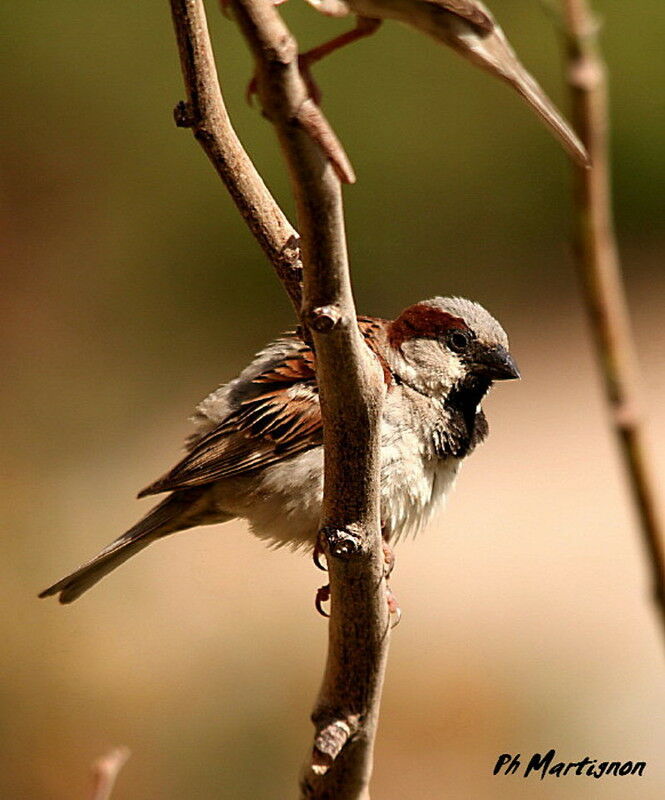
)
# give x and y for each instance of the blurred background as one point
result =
(131, 288)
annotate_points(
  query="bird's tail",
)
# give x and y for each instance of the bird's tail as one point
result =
(165, 518)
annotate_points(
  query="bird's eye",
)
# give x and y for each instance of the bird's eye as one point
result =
(458, 341)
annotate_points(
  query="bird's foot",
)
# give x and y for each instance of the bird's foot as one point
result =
(323, 593)
(323, 596)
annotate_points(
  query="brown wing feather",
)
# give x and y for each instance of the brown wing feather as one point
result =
(470, 11)
(284, 419)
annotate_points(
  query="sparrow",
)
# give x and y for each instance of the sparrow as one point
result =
(257, 449)
(469, 28)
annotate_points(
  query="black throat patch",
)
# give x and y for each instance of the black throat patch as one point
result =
(465, 426)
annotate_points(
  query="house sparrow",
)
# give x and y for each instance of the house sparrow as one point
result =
(257, 449)
(468, 27)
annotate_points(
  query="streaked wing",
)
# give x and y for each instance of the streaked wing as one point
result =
(281, 420)
(474, 13)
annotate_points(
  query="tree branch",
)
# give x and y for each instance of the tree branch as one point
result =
(351, 387)
(600, 272)
(349, 378)
(205, 113)
(105, 771)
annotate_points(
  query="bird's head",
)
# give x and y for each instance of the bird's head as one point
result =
(449, 344)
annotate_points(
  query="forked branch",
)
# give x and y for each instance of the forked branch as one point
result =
(350, 380)
(600, 272)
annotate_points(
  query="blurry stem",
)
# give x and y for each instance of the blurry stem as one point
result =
(105, 771)
(205, 113)
(600, 272)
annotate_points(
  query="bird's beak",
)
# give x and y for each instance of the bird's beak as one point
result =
(497, 364)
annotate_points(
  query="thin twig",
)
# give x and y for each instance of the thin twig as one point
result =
(205, 113)
(603, 288)
(351, 387)
(105, 771)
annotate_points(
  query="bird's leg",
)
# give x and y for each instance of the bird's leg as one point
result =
(365, 26)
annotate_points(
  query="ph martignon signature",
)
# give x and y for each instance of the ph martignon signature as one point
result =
(508, 764)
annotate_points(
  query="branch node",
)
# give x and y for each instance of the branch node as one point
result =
(329, 743)
(105, 771)
(290, 263)
(342, 543)
(184, 116)
(324, 318)
(586, 74)
(291, 249)
(282, 50)
(627, 415)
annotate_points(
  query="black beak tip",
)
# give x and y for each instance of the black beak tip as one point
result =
(514, 371)
(506, 369)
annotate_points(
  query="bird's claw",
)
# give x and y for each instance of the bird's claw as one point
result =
(393, 608)
(318, 552)
(388, 560)
(322, 596)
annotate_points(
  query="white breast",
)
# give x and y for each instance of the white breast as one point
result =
(414, 480)
(413, 490)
